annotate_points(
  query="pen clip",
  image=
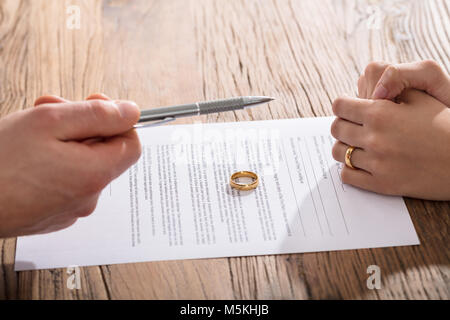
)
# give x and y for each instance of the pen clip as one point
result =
(154, 124)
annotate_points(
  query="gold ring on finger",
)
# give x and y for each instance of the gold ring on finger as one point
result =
(348, 157)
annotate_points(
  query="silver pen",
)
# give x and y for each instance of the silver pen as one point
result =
(166, 114)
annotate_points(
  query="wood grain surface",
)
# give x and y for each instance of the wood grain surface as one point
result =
(163, 52)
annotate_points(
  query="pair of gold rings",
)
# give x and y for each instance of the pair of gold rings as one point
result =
(241, 186)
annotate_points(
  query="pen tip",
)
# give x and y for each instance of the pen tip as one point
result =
(256, 100)
(266, 99)
(263, 99)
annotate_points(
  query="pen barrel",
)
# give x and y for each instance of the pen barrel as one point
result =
(193, 109)
(221, 105)
(184, 110)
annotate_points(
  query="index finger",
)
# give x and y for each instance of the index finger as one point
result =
(351, 109)
(117, 154)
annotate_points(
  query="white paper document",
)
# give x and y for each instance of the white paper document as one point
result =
(176, 202)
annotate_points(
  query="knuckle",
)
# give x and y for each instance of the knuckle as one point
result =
(375, 117)
(360, 81)
(137, 151)
(376, 166)
(374, 68)
(335, 128)
(335, 152)
(390, 72)
(431, 65)
(87, 210)
(133, 151)
(435, 71)
(90, 186)
(374, 144)
(136, 148)
(94, 182)
(362, 87)
(345, 176)
(337, 105)
(133, 155)
(97, 104)
(101, 109)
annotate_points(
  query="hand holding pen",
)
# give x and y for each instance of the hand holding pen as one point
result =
(78, 148)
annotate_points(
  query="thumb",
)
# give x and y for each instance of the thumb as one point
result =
(424, 75)
(89, 119)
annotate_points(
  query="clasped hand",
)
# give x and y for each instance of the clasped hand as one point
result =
(400, 124)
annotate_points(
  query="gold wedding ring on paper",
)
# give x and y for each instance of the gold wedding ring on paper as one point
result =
(348, 157)
(241, 186)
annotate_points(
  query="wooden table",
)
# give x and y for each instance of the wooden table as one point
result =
(165, 52)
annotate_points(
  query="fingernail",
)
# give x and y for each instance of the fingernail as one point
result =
(102, 95)
(128, 109)
(380, 92)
